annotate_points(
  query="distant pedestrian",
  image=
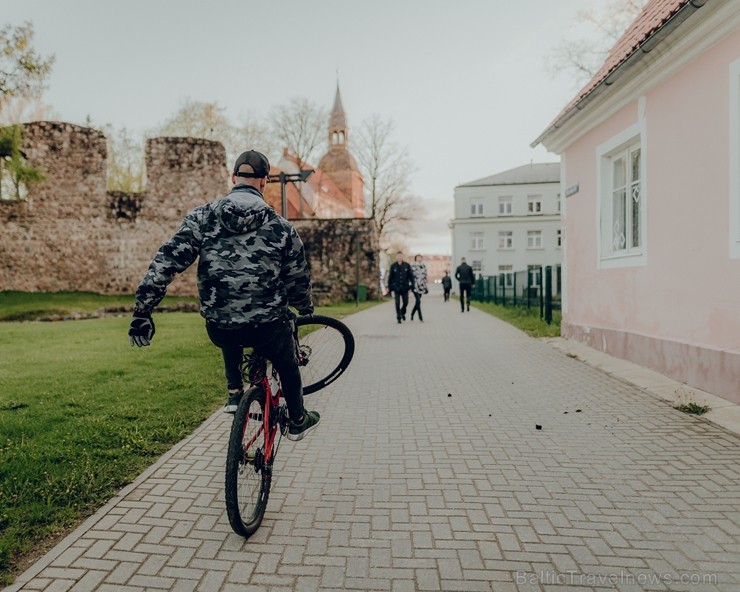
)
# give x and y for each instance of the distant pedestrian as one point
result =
(465, 275)
(419, 271)
(400, 281)
(447, 285)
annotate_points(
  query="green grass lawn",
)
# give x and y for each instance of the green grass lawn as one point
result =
(82, 413)
(28, 306)
(528, 320)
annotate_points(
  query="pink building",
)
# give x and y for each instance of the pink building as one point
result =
(650, 169)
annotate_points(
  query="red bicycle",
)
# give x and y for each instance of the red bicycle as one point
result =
(324, 347)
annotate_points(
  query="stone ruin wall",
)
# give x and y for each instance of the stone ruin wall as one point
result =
(332, 255)
(71, 233)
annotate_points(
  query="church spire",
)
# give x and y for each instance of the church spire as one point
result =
(338, 122)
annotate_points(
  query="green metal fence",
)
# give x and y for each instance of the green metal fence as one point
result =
(537, 287)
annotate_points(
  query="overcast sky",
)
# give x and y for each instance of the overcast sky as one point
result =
(465, 80)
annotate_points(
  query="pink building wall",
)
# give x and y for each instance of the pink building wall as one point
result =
(680, 312)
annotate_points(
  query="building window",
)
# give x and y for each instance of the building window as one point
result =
(534, 279)
(476, 207)
(477, 241)
(560, 238)
(558, 203)
(625, 200)
(534, 239)
(506, 239)
(477, 265)
(622, 210)
(534, 204)
(504, 205)
(505, 275)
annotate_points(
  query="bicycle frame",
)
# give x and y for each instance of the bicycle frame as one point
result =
(257, 376)
(270, 422)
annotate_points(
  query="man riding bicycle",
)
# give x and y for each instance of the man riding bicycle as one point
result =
(251, 267)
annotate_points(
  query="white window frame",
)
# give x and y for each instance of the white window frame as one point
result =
(534, 205)
(502, 236)
(734, 223)
(476, 207)
(505, 202)
(508, 272)
(536, 234)
(634, 136)
(477, 241)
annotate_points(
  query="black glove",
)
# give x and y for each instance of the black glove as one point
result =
(305, 312)
(141, 329)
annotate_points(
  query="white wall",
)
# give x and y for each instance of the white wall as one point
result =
(519, 223)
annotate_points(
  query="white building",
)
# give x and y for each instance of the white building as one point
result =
(509, 222)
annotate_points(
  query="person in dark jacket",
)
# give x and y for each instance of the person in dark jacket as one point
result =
(447, 285)
(400, 281)
(465, 275)
(251, 267)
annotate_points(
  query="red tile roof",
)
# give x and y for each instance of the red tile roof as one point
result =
(655, 14)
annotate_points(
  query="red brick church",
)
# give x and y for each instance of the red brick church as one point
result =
(336, 188)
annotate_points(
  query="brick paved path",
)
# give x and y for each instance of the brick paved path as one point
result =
(406, 488)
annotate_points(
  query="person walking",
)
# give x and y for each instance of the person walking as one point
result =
(447, 285)
(400, 280)
(251, 268)
(465, 275)
(419, 272)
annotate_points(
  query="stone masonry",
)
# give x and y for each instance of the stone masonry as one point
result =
(71, 233)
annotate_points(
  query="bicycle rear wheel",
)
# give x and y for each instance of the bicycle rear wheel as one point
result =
(326, 348)
(247, 486)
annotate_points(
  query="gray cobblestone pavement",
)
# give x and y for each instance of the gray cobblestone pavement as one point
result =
(428, 473)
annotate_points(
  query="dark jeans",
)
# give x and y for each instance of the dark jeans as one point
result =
(273, 340)
(464, 289)
(417, 306)
(401, 297)
(447, 294)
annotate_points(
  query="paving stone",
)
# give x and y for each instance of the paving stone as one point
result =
(403, 488)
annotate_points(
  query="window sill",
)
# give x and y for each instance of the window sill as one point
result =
(535, 248)
(623, 260)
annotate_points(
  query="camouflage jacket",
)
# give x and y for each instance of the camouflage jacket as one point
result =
(252, 263)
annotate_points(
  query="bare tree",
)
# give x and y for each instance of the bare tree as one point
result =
(300, 126)
(581, 58)
(23, 72)
(252, 134)
(387, 170)
(125, 160)
(22, 109)
(198, 120)
(23, 75)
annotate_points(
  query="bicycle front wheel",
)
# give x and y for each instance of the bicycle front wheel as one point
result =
(247, 486)
(326, 347)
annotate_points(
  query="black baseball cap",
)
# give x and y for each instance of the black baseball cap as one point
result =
(258, 161)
